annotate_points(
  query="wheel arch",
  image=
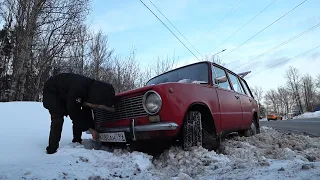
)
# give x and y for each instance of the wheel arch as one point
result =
(206, 111)
(256, 119)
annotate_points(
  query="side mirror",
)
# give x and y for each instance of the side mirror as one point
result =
(221, 79)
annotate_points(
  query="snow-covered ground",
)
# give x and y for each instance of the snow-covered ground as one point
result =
(308, 115)
(264, 119)
(269, 155)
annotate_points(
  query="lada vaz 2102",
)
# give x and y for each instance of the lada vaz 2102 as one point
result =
(195, 105)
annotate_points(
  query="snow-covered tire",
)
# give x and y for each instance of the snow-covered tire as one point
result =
(195, 134)
(253, 129)
(192, 130)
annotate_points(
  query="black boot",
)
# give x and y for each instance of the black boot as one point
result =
(51, 150)
(55, 133)
(77, 133)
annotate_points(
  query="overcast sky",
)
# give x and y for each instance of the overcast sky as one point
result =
(206, 25)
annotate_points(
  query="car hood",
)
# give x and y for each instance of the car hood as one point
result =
(146, 88)
(135, 91)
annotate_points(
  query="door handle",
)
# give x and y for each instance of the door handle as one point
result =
(236, 96)
(250, 99)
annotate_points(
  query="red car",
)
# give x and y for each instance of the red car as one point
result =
(195, 105)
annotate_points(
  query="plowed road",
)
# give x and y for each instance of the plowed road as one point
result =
(309, 126)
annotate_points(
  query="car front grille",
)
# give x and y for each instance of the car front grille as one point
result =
(127, 108)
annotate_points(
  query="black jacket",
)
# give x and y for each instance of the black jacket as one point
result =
(64, 94)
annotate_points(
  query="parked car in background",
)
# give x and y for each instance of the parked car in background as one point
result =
(274, 117)
(194, 105)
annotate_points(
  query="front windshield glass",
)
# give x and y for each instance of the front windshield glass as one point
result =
(197, 73)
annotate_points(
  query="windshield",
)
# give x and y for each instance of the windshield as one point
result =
(197, 73)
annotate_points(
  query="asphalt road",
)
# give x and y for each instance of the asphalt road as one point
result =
(310, 126)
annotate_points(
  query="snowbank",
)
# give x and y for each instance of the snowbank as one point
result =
(24, 139)
(308, 115)
(269, 155)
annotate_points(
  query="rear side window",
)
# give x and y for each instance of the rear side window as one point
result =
(244, 85)
(218, 73)
(235, 83)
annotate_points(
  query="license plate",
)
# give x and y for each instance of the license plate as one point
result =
(112, 137)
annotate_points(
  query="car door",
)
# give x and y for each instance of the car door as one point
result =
(230, 106)
(246, 104)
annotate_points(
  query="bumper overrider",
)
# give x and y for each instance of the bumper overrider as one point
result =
(131, 132)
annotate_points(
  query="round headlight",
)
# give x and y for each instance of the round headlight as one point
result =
(152, 102)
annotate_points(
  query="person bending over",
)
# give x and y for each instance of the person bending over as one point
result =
(74, 95)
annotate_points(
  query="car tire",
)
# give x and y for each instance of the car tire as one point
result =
(253, 129)
(196, 134)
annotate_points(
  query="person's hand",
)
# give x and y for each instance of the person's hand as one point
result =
(94, 133)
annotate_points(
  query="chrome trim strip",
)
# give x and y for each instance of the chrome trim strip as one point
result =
(162, 126)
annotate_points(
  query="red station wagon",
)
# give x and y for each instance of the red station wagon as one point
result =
(195, 105)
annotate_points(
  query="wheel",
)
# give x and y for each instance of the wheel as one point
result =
(252, 130)
(196, 133)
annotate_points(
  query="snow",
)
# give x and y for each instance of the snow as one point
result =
(190, 81)
(268, 155)
(315, 114)
(264, 119)
(198, 82)
(184, 81)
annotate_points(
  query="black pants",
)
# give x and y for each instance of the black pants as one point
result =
(56, 130)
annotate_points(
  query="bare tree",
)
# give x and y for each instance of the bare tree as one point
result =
(284, 98)
(258, 93)
(101, 55)
(42, 32)
(271, 97)
(309, 92)
(57, 30)
(24, 15)
(153, 69)
(79, 52)
(165, 64)
(318, 81)
(293, 82)
(145, 75)
(125, 73)
(6, 47)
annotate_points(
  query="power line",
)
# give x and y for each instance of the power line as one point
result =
(168, 29)
(283, 43)
(265, 28)
(284, 61)
(244, 25)
(175, 28)
(220, 21)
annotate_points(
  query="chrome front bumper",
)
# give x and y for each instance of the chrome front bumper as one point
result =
(143, 128)
(132, 129)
